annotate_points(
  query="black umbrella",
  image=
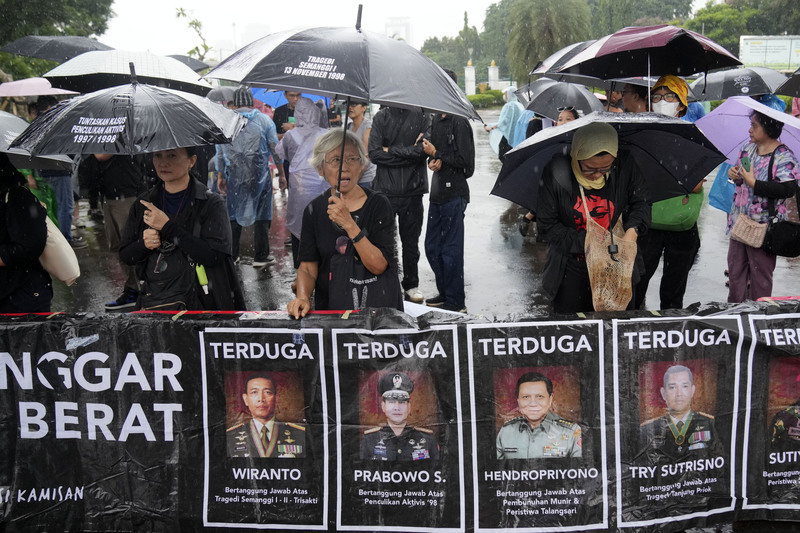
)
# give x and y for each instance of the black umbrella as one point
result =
(790, 87)
(191, 62)
(130, 119)
(10, 127)
(550, 98)
(347, 63)
(745, 81)
(93, 71)
(53, 47)
(673, 154)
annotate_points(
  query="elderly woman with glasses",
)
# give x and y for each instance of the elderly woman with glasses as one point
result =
(345, 222)
(613, 187)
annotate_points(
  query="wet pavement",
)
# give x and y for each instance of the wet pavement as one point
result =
(502, 268)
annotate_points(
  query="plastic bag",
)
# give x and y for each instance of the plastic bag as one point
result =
(721, 194)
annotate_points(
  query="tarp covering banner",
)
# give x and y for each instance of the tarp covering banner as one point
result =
(376, 421)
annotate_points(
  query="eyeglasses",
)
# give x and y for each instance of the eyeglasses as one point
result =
(669, 97)
(333, 162)
(566, 108)
(591, 171)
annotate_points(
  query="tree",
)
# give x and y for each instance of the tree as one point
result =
(494, 38)
(537, 28)
(609, 16)
(771, 17)
(202, 49)
(19, 18)
(453, 52)
(722, 23)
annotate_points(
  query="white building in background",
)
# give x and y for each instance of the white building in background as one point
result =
(399, 28)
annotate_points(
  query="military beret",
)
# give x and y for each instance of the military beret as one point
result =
(395, 385)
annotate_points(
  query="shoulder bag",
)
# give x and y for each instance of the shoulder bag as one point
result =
(352, 286)
(782, 237)
(58, 257)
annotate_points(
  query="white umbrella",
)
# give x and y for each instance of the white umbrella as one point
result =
(93, 71)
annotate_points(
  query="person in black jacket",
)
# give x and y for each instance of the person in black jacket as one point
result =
(396, 149)
(614, 187)
(451, 156)
(25, 287)
(120, 178)
(171, 229)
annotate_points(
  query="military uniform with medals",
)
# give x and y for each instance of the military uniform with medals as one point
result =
(286, 440)
(785, 429)
(413, 444)
(665, 438)
(553, 437)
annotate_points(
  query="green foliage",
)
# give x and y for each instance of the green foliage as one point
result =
(19, 18)
(771, 17)
(537, 28)
(200, 51)
(497, 94)
(722, 24)
(453, 52)
(482, 101)
(494, 38)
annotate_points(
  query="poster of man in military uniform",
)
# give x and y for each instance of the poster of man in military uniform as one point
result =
(784, 429)
(538, 433)
(681, 431)
(263, 435)
(396, 440)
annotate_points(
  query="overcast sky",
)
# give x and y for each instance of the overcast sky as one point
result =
(230, 24)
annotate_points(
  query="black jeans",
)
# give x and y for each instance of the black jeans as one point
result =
(680, 249)
(410, 212)
(260, 239)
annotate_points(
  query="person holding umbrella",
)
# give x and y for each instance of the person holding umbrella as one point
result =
(178, 238)
(766, 172)
(673, 230)
(346, 236)
(613, 187)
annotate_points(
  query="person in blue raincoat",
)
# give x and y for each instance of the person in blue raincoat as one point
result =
(246, 178)
(305, 183)
(507, 123)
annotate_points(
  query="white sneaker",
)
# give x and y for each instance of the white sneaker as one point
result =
(415, 295)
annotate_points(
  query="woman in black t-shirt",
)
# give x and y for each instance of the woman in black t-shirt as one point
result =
(347, 251)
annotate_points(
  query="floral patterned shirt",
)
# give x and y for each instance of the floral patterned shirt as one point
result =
(745, 202)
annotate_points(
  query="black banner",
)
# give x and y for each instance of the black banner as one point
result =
(540, 449)
(675, 412)
(400, 460)
(374, 422)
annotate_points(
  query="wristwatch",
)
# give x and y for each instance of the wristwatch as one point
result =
(361, 235)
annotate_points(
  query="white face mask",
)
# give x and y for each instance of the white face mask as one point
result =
(666, 108)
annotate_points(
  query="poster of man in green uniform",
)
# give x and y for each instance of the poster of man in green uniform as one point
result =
(538, 433)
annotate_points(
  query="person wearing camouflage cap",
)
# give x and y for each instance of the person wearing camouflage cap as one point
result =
(396, 440)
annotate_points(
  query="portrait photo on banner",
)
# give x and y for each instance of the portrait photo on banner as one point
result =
(783, 404)
(399, 415)
(547, 397)
(677, 410)
(265, 414)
